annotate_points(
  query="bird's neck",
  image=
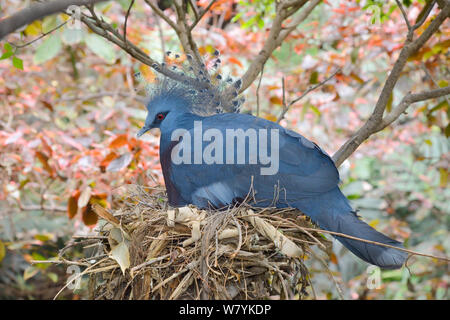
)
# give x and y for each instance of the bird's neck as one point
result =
(175, 120)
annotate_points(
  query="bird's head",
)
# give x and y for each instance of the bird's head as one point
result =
(198, 89)
(165, 105)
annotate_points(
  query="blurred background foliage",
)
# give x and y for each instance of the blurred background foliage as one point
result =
(70, 108)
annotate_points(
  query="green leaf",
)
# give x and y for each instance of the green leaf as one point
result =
(407, 3)
(237, 17)
(101, 47)
(260, 22)
(314, 78)
(391, 275)
(37, 257)
(447, 131)
(443, 83)
(8, 47)
(48, 49)
(354, 55)
(6, 55)
(53, 276)
(315, 110)
(441, 105)
(17, 62)
(2, 250)
(8, 51)
(443, 177)
(389, 103)
(248, 23)
(49, 23)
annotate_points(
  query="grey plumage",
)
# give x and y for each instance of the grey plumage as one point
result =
(202, 88)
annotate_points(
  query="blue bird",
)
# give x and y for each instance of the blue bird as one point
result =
(201, 166)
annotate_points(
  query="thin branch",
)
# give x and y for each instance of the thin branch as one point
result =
(42, 208)
(37, 11)
(19, 46)
(197, 20)
(277, 35)
(98, 95)
(125, 23)
(107, 31)
(429, 6)
(411, 29)
(194, 8)
(64, 261)
(405, 15)
(160, 13)
(312, 88)
(375, 121)
(187, 41)
(377, 243)
(336, 283)
(257, 92)
(161, 33)
(410, 99)
(433, 80)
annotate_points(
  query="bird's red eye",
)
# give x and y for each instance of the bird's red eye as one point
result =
(160, 116)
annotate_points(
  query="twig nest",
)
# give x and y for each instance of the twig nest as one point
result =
(156, 252)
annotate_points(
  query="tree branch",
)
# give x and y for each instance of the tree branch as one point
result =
(19, 46)
(339, 234)
(277, 35)
(312, 88)
(185, 36)
(197, 20)
(409, 99)
(375, 121)
(126, 21)
(160, 13)
(37, 11)
(106, 30)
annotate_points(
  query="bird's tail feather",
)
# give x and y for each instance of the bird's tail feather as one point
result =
(335, 214)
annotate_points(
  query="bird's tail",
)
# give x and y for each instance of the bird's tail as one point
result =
(332, 212)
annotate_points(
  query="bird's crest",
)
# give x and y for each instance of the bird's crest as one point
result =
(200, 84)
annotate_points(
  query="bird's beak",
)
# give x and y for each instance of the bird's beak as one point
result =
(143, 130)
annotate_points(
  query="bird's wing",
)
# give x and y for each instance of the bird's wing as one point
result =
(304, 169)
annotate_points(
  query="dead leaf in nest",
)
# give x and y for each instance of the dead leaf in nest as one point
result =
(103, 213)
(284, 244)
(119, 248)
(191, 217)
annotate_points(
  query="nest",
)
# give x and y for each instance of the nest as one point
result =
(150, 251)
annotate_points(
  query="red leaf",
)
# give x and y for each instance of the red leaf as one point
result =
(72, 204)
(89, 216)
(119, 141)
(276, 100)
(333, 258)
(44, 160)
(235, 61)
(46, 146)
(48, 105)
(110, 157)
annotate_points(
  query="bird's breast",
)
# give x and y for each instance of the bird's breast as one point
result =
(173, 194)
